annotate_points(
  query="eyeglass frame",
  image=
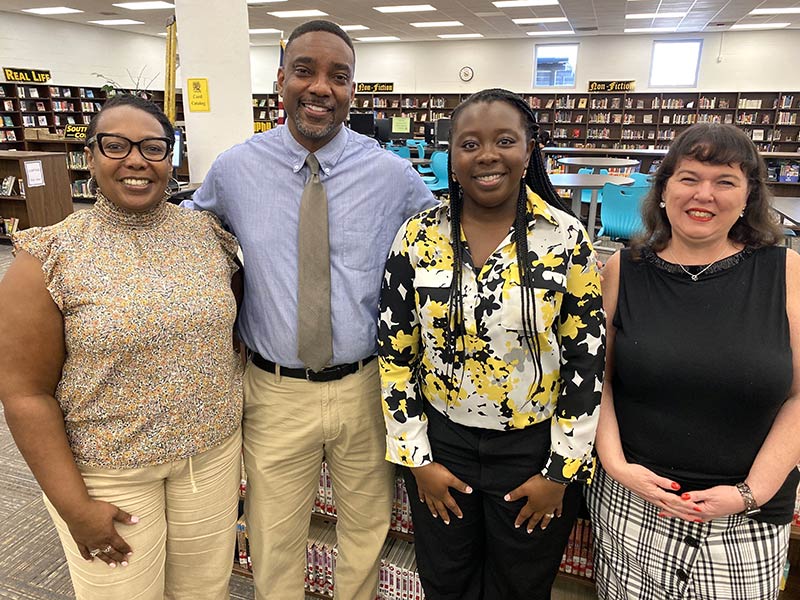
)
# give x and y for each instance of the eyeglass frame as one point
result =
(98, 138)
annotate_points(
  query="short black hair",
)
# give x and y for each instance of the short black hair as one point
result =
(321, 25)
(136, 102)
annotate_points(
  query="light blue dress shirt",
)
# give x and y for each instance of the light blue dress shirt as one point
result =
(255, 189)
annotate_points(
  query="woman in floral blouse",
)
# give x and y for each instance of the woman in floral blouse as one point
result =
(118, 376)
(491, 364)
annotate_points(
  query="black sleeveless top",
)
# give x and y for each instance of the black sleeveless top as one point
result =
(703, 367)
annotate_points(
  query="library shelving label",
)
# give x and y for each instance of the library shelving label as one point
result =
(374, 88)
(75, 132)
(26, 75)
(616, 85)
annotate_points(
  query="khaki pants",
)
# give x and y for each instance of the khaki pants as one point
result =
(288, 425)
(184, 543)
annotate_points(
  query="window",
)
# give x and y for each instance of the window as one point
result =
(675, 63)
(555, 65)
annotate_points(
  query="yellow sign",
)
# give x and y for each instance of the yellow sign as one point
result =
(260, 126)
(75, 132)
(401, 124)
(198, 95)
(612, 86)
(26, 75)
(374, 88)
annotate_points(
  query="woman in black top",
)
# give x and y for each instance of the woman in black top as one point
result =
(699, 430)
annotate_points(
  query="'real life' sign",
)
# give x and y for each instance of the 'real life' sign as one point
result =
(26, 75)
(616, 85)
(374, 88)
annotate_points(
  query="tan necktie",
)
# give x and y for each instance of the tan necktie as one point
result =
(314, 330)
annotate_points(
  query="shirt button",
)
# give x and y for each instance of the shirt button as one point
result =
(690, 541)
(682, 575)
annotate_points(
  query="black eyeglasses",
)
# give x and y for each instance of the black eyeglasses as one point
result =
(118, 147)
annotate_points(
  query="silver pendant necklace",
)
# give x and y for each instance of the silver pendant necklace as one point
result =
(694, 276)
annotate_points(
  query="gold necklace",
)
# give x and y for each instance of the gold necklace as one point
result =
(694, 276)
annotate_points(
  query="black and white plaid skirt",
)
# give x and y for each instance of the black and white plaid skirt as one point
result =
(641, 556)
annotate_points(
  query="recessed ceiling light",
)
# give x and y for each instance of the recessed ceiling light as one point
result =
(666, 15)
(144, 5)
(775, 11)
(760, 25)
(293, 14)
(52, 10)
(651, 30)
(260, 31)
(438, 24)
(404, 8)
(454, 36)
(565, 32)
(117, 22)
(353, 27)
(382, 38)
(516, 3)
(536, 20)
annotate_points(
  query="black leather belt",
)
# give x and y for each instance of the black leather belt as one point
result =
(327, 374)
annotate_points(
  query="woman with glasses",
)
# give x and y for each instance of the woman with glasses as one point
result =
(118, 377)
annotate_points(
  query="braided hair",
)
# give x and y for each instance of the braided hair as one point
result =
(537, 180)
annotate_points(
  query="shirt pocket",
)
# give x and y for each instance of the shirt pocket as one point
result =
(366, 248)
(548, 293)
(432, 288)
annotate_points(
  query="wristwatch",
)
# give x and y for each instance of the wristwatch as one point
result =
(750, 506)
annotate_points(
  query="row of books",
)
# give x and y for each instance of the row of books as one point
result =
(8, 135)
(8, 225)
(80, 189)
(578, 558)
(7, 185)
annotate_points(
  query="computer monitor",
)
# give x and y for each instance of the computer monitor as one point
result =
(177, 149)
(363, 123)
(402, 128)
(383, 130)
(442, 132)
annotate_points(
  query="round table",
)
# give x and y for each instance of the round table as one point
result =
(599, 162)
(578, 182)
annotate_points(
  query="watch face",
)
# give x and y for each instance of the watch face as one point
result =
(465, 74)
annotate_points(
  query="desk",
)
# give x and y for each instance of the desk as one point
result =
(788, 208)
(599, 162)
(419, 161)
(589, 181)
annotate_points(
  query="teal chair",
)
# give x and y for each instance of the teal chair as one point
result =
(641, 178)
(621, 215)
(401, 151)
(586, 195)
(439, 182)
(419, 145)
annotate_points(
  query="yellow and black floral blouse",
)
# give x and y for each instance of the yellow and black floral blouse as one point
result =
(495, 387)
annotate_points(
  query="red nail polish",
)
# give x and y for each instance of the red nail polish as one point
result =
(686, 496)
(661, 514)
(675, 486)
(698, 520)
(698, 509)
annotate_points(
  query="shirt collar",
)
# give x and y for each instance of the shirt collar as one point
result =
(327, 156)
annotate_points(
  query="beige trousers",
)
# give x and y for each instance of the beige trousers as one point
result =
(289, 424)
(183, 545)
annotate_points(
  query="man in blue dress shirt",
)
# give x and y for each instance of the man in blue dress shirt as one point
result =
(289, 421)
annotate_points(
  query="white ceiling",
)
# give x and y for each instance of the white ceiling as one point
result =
(586, 17)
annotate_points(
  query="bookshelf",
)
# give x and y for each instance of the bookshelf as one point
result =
(37, 205)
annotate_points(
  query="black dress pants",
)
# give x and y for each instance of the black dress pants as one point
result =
(483, 556)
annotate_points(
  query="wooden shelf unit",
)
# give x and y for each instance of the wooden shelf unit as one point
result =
(40, 205)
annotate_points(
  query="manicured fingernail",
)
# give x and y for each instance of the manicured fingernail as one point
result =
(129, 553)
(112, 565)
(124, 563)
(530, 530)
(468, 490)
(447, 522)
(686, 496)
(134, 519)
(661, 514)
(698, 520)
(698, 509)
(507, 497)
(675, 486)
(460, 516)
(516, 525)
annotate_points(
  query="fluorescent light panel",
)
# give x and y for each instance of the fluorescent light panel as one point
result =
(264, 1)
(775, 11)
(260, 31)
(439, 24)
(294, 14)
(453, 36)
(52, 10)
(117, 22)
(517, 3)
(353, 27)
(404, 8)
(537, 20)
(666, 15)
(538, 33)
(651, 30)
(144, 5)
(760, 25)
(381, 38)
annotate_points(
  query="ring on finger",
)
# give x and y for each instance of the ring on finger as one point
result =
(549, 515)
(107, 549)
(94, 552)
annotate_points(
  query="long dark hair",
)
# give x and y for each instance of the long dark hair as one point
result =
(716, 144)
(537, 180)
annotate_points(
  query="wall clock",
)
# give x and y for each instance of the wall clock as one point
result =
(466, 73)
